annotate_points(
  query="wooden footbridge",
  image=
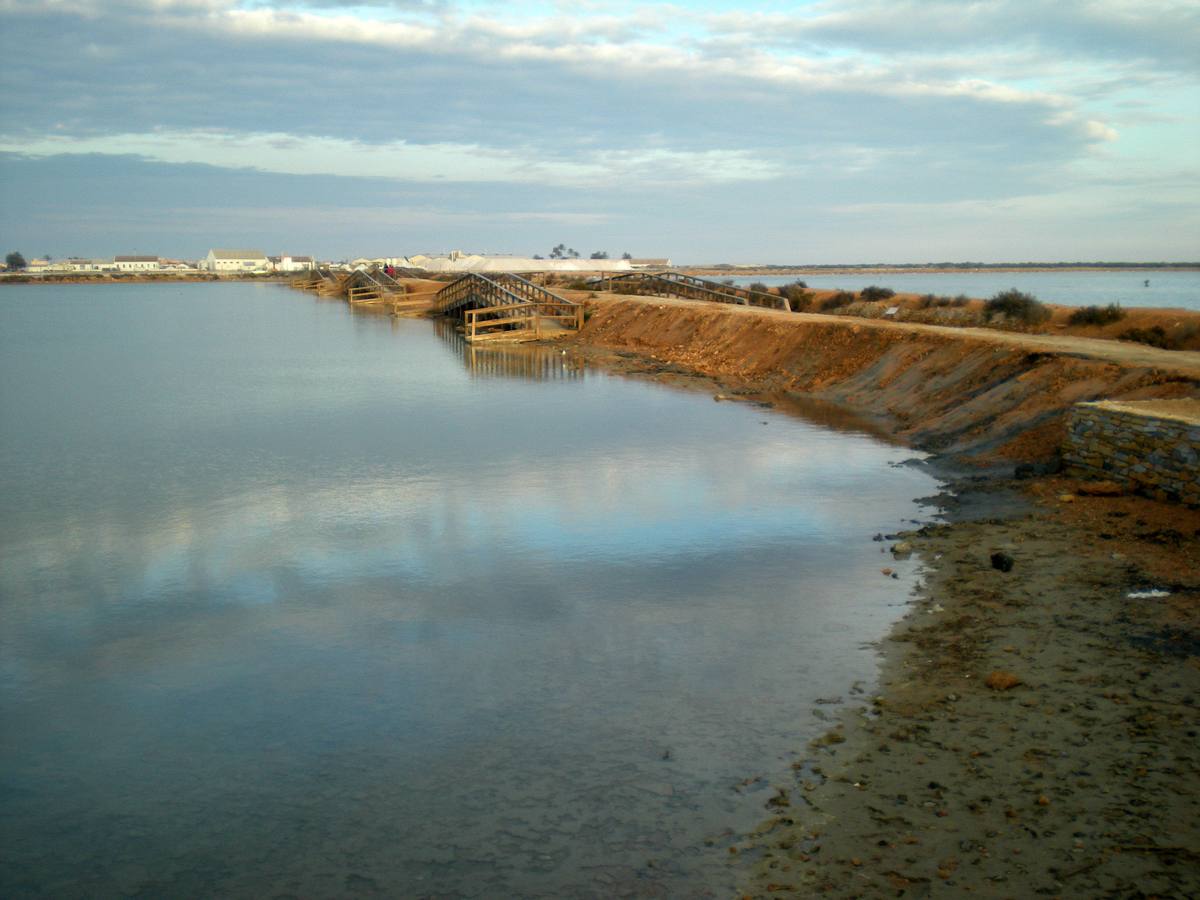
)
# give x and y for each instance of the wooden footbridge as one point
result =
(362, 286)
(676, 284)
(506, 307)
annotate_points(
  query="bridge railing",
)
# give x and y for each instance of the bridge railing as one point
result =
(387, 281)
(550, 305)
(492, 291)
(505, 301)
(477, 288)
(688, 286)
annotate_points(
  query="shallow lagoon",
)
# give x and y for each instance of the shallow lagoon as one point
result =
(300, 601)
(1174, 289)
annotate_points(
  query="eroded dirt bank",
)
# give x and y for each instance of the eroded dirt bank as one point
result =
(967, 391)
(1034, 730)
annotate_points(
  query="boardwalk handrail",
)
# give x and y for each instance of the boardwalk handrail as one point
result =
(374, 276)
(385, 279)
(535, 292)
(513, 285)
(479, 297)
(690, 286)
(473, 286)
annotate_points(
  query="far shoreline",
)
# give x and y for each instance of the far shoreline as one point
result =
(712, 270)
(932, 270)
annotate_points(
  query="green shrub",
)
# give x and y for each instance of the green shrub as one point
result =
(797, 294)
(1016, 306)
(799, 299)
(938, 302)
(873, 293)
(837, 301)
(759, 286)
(960, 300)
(1155, 336)
(1097, 315)
(578, 284)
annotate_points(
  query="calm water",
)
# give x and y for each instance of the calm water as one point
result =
(1167, 288)
(297, 601)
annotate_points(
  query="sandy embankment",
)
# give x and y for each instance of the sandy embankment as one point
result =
(969, 391)
(1076, 773)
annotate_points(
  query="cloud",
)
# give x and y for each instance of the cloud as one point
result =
(196, 66)
(1162, 32)
(445, 163)
(654, 119)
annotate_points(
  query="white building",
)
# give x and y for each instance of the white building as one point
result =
(230, 261)
(136, 263)
(179, 266)
(91, 265)
(292, 263)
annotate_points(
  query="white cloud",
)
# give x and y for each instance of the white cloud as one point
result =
(1099, 131)
(447, 163)
(674, 108)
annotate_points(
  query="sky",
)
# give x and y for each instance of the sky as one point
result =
(835, 131)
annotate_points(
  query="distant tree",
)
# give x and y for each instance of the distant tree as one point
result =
(600, 254)
(15, 260)
(538, 256)
(573, 253)
(558, 251)
(626, 256)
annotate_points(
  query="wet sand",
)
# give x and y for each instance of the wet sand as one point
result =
(1034, 731)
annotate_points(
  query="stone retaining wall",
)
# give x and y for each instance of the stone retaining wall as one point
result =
(1152, 447)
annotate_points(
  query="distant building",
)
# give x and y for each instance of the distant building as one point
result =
(230, 261)
(176, 265)
(292, 263)
(136, 263)
(91, 265)
(650, 263)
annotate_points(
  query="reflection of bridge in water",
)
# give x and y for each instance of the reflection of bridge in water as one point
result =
(532, 362)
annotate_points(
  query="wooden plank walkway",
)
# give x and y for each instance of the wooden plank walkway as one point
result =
(362, 286)
(676, 284)
(506, 308)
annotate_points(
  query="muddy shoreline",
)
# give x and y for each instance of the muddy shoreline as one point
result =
(1033, 731)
